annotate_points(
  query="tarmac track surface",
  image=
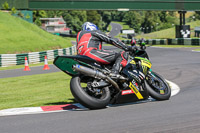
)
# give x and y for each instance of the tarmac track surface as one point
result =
(180, 114)
(116, 28)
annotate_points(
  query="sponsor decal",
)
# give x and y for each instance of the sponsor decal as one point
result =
(132, 62)
(135, 90)
(126, 92)
(162, 92)
(145, 63)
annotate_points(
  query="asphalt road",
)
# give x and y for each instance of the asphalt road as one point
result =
(116, 28)
(180, 114)
(21, 72)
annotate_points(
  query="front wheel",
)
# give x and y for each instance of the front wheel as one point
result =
(92, 98)
(157, 87)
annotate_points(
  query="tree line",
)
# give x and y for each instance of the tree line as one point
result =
(140, 21)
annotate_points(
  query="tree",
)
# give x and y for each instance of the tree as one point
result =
(57, 13)
(133, 19)
(168, 19)
(118, 16)
(75, 19)
(106, 19)
(197, 14)
(37, 15)
(94, 17)
(5, 5)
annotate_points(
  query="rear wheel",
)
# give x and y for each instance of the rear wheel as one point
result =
(90, 97)
(157, 87)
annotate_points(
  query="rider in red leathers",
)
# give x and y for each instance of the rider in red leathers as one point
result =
(89, 43)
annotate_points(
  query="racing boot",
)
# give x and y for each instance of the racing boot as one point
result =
(116, 69)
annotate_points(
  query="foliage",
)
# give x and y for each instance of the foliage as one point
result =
(146, 21)
(75, 19)
(197, 14)
(106, 19)
(37, 15)
(167, 20)
(94, 17)
(13, 10)
(5, 6)
(140, 21)
(133, 19)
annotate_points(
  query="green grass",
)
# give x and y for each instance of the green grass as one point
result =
(163, 34)
(168, 33)
(35, 90)
(19, 36)
(109, 28)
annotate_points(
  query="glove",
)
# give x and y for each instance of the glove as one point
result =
(132, 48)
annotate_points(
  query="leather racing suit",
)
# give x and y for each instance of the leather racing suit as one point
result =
(89, 43)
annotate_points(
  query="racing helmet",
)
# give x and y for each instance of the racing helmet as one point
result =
(88, 26)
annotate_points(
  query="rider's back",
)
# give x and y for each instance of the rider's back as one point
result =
(86, 40)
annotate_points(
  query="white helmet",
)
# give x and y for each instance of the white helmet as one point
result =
(87, 26)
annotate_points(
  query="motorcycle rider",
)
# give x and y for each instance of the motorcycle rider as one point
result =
(89, 43)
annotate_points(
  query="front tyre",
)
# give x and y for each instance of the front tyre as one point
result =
(157, 87)
(92, 98)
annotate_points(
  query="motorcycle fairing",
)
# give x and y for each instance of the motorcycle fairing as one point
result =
(65, 63)
(135, 89)
(143, 64)
(128, 95)
(142, 53)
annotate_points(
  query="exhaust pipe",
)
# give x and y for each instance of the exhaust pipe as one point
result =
(94, 73)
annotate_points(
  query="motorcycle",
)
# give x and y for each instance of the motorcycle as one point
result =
(93, 86)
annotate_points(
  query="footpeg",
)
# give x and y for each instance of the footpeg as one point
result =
(99, 84)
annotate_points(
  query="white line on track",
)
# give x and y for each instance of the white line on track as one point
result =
(195, 51)
(174, 88)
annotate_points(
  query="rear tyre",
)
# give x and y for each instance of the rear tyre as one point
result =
(157, 87)
(92, 98)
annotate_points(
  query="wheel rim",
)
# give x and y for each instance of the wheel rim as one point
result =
(97, 93)
(157, 84)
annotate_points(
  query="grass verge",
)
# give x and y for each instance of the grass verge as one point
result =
(35, 90)
(19, 36)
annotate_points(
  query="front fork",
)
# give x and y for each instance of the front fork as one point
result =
(155, 82)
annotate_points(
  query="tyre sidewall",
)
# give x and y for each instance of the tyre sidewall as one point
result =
(156, 95)
(85, 99)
